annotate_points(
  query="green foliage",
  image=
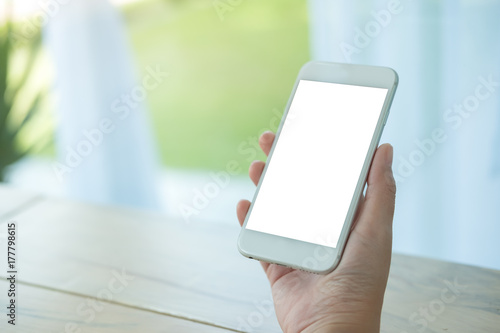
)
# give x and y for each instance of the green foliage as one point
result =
(12, 120)
(229, 78)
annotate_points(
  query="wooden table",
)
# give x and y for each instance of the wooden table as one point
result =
(88, 268)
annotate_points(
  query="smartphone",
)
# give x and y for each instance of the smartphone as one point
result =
(316, 171)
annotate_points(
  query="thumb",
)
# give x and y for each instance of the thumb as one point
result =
(375, 220)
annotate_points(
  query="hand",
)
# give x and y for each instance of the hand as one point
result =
(350, 298)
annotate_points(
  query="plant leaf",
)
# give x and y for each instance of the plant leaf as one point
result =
(36, 147)
(35, 104)
(28, 68)
(4, 62)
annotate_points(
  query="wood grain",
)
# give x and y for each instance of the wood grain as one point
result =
(192, 271)
(195, 271)
(425, 295)
(42, 310)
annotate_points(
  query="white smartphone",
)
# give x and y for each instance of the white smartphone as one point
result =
(307, 197)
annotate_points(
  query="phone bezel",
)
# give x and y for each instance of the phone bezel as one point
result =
(309, 256)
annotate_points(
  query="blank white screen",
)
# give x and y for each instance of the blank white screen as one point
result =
(312, 174)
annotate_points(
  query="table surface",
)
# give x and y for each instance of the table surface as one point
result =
(89, 268)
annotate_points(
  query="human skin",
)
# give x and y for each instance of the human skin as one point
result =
(350, 298)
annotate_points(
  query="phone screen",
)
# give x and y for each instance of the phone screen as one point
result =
(312, 174)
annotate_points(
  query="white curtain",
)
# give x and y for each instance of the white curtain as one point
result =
(445, 120)
(105, 148)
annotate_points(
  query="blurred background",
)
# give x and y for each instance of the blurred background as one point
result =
(158, 104)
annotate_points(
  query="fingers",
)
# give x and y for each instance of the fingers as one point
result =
(266, 141)
(242, 210)
(378, 207)
(255, 171)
